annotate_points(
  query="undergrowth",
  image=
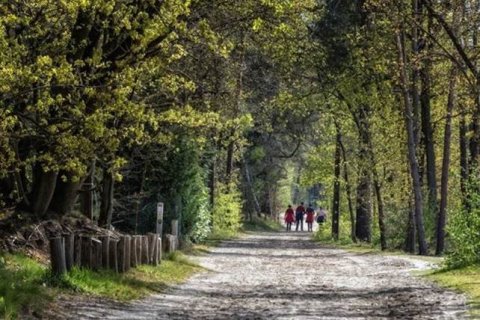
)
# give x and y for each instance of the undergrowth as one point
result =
(22, 285)
(258, 224)
(466, 279)
(26, 285)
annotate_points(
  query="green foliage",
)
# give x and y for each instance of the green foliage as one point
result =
(26, 285)
(21, 285)
(227, 211)
(463, 230)
(179, 180)
(266, 224)
(324, 233)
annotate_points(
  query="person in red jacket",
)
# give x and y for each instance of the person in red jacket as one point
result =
(289, 217)
(299, 213)
(310, 217)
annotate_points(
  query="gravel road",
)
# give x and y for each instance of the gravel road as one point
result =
(287, 276)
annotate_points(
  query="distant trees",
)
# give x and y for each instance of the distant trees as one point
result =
(383, 64)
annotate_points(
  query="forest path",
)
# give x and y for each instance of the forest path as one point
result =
(288, 276)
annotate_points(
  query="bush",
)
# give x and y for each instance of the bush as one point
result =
(464, 232)
(179, 181)
(21, 285)
(227, 211)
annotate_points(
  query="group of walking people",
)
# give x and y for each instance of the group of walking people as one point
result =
(302, 213)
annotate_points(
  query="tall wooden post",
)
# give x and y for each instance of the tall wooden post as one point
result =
(57, 253)
(145, 250)
(175, 229)
(77, 255)
(113, 254)
(69, 250)
(105, 251)
(159, 226)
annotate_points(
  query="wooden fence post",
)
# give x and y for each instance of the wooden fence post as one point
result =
(158, 255)
(155, 250)
(124, 254)
(145, 250)
(159, 226)
(86, 261)
(96, 263)
(152, 243)
(128, 244)
(175, 229)
(69, 240)
(135, 251)
(170, 243)
(113, 255)
(57, 254)
(121, 249)
(77, 255)
(105, 251)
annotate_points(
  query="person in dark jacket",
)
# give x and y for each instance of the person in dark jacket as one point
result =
(299, 213)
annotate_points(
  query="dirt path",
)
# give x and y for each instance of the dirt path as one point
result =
(287, 276)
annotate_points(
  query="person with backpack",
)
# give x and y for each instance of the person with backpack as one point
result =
(321, 216)
(299, 213)
(310, 218)
(289, 217)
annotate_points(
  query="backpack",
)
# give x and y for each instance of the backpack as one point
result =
(320, 219)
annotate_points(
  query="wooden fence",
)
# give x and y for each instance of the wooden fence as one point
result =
(118, 253)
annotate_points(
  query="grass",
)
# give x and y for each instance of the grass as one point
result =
(134, 284)
(22, 285)
(257, 224)
(466, 280)
(26, 285)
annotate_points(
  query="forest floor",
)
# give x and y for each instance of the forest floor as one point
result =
(288, 276)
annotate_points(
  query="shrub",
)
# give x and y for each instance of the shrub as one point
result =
(227, 211)
(464, 232)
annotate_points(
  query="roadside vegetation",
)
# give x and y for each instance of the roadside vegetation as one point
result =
(464, 279)
(26, 285)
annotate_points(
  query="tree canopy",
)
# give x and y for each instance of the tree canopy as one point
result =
(225, 110)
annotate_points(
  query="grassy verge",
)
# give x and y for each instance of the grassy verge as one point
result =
(258, 224)
(466, 280)
(22, 286)
(26, 285)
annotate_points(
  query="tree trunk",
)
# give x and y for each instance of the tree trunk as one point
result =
(410, 241)
(464, 170)
(66, 193)
(416, 107)
(43, 189)
(106, 209)
(475, 138)
(336, 186)
(363, 208)
(212, 181)
(139, 196)
(348, 190)
(409, 124)
(229, 168)
(429, 143)
(248, 177)
(381, 213)
(427, 129)
(88, 193)
(442, 213)
(363, 225)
